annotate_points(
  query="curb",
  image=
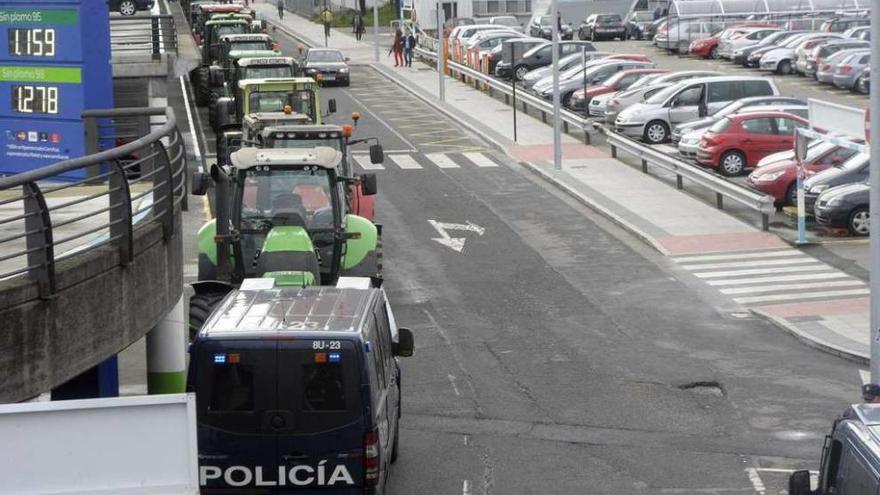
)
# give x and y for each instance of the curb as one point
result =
(811, 341)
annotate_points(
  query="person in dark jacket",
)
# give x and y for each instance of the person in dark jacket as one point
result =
(409, 43)
(358, 25)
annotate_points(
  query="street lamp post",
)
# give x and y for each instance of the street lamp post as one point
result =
(874, 212)
(557, 138)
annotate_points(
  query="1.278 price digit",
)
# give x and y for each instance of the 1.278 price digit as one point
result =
(35, 99)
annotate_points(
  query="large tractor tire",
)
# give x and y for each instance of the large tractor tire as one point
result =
(200, 308)
(212, 111)
(203, 86)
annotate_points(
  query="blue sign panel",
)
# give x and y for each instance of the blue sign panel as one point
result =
(54, 63)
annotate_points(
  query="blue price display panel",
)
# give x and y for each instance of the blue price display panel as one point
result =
(40, 34)
(41, 92)
(41, 141)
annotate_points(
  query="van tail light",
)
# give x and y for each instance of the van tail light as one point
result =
(371, 458)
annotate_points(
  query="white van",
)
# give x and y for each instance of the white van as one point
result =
(688, 100)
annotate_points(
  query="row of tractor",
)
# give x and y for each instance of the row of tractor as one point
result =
(287, 204)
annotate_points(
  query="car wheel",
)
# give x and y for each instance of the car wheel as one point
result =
(520, 72)
(732, 163)
(656, 132)
(127, 7)
(592, 35)
(784, 68)
(791, 194)
(713, 54)
(859, 221)
(856, 85)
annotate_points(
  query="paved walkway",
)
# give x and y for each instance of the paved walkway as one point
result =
(819, 304)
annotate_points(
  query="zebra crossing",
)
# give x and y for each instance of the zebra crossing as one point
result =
(776, 276)
(420, 161)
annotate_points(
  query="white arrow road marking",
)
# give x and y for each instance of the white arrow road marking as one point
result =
(454, 243)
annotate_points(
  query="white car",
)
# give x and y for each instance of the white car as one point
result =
(782, 60)
(742, 39)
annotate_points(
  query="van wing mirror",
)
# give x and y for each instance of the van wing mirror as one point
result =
(799, 483)
(199, 185)
(377, 154)
(331, 105)
(369, 185)
(405, 345)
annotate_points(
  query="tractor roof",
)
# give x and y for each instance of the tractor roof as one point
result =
(225, 22)
(321, 156)
(282, 129)
(256, 55)
(221, 7)
(234, 38)
(308, 81)
(262, 59)
(276, 118)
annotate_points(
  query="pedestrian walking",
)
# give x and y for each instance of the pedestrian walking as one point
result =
(280, 4)
(327, 18)
(358, 25)
(396, 48)
(409, 43)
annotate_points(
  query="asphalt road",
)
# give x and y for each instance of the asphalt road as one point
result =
(555, 352)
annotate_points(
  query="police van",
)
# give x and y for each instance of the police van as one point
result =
(850, 462)
(298, 390)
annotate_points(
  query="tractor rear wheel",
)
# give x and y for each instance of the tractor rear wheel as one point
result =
(200, 308)
(203, 86)
(212, 110)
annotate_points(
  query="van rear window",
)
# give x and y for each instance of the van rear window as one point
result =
(232, 388)
(323, 387)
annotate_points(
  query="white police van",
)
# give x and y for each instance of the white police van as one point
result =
(850, 462)
(298, 390)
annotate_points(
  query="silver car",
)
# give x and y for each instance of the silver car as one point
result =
(565, 63)
(578, 77)
(847, 73)
(625, 99)
(743, 38)
(824, 50)
(782, 60)
(680, 35)
(825, 72)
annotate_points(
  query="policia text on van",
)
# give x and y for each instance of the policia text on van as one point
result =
(850, 463)
(298, 390)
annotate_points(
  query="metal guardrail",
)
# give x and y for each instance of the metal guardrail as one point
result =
(130, 182)
(761, 203)
(144, 34)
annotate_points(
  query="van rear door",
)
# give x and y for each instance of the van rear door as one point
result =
(320, 385)
(235, 386)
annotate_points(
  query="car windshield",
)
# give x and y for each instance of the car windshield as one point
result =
(324, 56)
(284, 196)
(645, 81)
(267, 72)
(818, 149)
(772, 39)
(720, 126)
(274, 101)
(664, 94)
(856, 161)
(608, 19)
(248, 45)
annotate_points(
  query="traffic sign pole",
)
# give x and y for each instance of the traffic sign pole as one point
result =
(875, 206)
(557, 137)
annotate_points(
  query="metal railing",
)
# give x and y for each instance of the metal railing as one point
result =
(721, 187)
(62, 210)
(143, 34)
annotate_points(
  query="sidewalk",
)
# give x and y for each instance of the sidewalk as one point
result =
(750, 268)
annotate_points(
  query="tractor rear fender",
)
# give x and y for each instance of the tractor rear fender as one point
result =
(364, 237)
(225, 111)
(212, 287)
(216, 76)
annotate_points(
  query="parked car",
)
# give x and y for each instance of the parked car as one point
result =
(732, 108)
(487, 40)
(741, 55)
(542, 27)
(565, 63)
(846, 207)
(779, 179)
(625, 99)
(464, 33)
(578, 77)
(736, 142)
(841, 24)
(542, 55)
(688, 100)
(864, 35)
(705, 47)
(679, 36)
(805, 50)
(683, 75)
(855, 32)
(754, 58)
(602, 26)
(130, 7)
(826, 69)
(782, 60)
(856, 169)
(825, 50)
(640, 25)
(864, 82)
(617, 82)
(689, 144)
(511, 52)
(507, 21)
(848, 72)
(741, 38)
(328, 62)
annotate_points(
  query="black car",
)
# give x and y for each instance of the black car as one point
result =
(129, 7)
(543, 55)
(855, 169)
(327, 65)
(602, 26)
(542, 27)
(845, 207)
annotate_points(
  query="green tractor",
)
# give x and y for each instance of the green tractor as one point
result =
(244, 65)
(300, 94)
(200, 77)
(281, 214)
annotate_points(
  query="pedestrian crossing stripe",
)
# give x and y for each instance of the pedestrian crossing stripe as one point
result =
(777, 276)
(417, 161)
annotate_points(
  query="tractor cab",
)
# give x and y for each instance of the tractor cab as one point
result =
(202, 13)
(301, 94)
(216, 29)
(286, 219)
(262, 65)
(246, 42)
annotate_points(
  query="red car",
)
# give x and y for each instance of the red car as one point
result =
(736, 142)
(779, 179)
(617, 82)
(705, 47)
